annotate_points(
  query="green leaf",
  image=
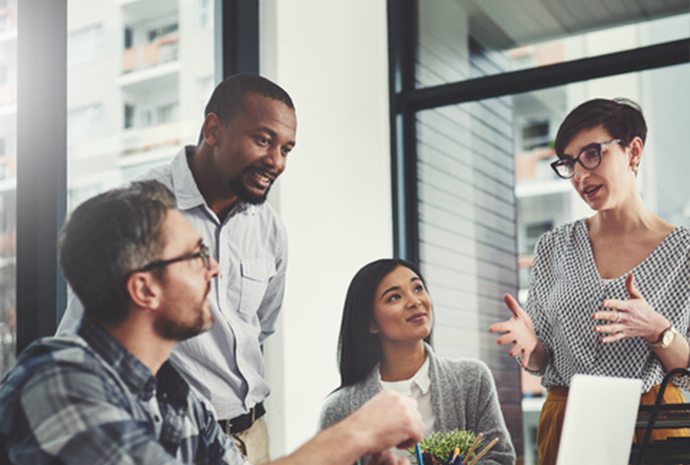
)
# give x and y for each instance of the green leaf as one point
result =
(441, 444)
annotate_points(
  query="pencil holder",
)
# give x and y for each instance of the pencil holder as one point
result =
(438, 448)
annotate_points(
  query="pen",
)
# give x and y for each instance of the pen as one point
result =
(451, 457)
(484, 451)
(420, 460)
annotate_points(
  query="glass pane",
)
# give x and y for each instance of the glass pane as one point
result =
(474, 38)
(545, 201)
(8, 181)
(139, 74)
(486, 194)
(467, 232)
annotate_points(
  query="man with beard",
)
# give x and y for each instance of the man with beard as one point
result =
(220, 187)
(108, 394)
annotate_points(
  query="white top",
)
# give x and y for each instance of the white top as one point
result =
(566, 290)
(417, 387)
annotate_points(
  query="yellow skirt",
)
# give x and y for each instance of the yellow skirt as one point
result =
(553, 412)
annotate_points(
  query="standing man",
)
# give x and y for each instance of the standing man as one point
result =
(109, 395)
(220, 187)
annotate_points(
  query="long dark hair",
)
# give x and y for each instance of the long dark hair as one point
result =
(358, 350)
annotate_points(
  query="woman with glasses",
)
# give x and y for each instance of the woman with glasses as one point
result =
(383, 344)
(609, 294)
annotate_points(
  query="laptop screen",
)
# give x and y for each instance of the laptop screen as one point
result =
(599, 421)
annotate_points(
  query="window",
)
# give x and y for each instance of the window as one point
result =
(129, 37)
(94, 165)
(150, 40)
(129, 118)
(167, 113)
(533, 231)
(162, 31)
(535, 134)
(471, 144)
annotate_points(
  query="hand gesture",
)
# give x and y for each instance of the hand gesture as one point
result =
(518, 331)
(387, 457)
(633, 317)
(389, 419)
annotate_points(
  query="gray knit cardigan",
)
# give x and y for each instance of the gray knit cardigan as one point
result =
(463, 396)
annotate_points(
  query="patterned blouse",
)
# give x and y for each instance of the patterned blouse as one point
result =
(566, 289)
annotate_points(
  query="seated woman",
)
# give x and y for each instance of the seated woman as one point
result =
(383, 344)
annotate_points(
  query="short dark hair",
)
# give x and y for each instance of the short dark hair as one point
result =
(106, 238)
(621, 117)
(229, 96)
(358, 350)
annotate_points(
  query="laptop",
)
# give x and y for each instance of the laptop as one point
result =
(599, 421)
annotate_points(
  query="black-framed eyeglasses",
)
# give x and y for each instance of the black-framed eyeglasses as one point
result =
(203, 254)
(589, 158)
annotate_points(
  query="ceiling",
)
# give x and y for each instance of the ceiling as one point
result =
(504, 24)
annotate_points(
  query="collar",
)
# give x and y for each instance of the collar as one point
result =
(138, 378)
(184, 186)
(421, 379)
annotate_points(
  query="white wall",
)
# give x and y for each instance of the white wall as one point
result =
(335, 197)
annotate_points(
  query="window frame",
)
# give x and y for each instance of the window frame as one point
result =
(42, 144)
(406, 100)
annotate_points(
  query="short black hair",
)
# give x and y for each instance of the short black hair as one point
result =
(108, 237)
(358, 350)
(621, 117)
(229, 96)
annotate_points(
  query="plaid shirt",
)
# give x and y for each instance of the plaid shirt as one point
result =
(84, 399)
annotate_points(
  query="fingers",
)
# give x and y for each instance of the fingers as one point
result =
(408, 444)
(617, 336)
(615, 330)
(633, 292)
(612, 316)
(513, 305)
(387, 457)
(616, 304)
(376, 459)
(610, 328)
(506, 339)
(502, 327)
(389, 419)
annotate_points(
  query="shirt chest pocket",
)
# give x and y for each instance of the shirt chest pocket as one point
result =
(256, 273)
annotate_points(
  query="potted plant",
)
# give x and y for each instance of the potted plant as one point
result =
(438, 448)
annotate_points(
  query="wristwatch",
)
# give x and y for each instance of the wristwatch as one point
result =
(667, 337)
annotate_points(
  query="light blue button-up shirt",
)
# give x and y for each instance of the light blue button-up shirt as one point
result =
(225, 363)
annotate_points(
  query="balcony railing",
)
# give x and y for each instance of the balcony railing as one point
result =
(535, 165)
(136, 140)
(161, 50)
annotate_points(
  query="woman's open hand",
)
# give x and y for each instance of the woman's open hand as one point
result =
(518, 331)
(633, 317)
